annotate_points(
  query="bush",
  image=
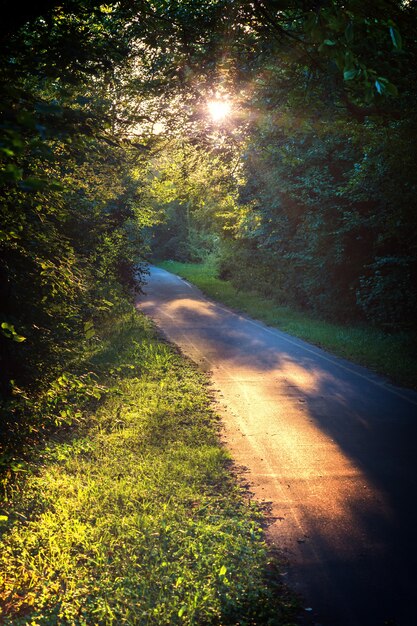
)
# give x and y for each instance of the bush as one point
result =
(385, 295)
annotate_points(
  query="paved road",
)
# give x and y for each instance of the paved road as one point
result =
(328, 443)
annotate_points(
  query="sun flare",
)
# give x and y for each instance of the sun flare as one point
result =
(219, 109)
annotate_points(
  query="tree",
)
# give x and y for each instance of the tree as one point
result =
(70, 213)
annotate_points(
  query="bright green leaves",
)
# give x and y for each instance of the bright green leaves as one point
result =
(122, 523)
(6, 151)
(106, 8)
(9, 331)
(89, 330)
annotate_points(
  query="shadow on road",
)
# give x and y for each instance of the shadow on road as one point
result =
(360, 551)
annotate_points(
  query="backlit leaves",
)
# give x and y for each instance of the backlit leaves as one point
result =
(9, 331)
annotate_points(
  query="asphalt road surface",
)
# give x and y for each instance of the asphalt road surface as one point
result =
(329, 444)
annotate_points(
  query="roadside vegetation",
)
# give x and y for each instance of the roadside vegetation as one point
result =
(132, 515)
(108, 156)
(388, 353)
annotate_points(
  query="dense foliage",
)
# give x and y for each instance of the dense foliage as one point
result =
(70, 222)
(135, 517)
(307, 191)
(326, 227)
(320, 211)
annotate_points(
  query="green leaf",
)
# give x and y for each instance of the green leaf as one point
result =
(391, 89)
(9, 331)
(182, 610)
(6, 151)
(223, 570)
(19, 338)
(4, 518)
(350, 74)
(396, 38)
(89, 330)
(349, 32)
(380, 87)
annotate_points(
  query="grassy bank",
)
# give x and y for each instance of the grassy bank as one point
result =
(393, 355)
(133, 516)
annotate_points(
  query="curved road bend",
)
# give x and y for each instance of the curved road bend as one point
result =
(328, 443)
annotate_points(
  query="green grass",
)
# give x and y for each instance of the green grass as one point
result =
(133, 516)
(393, 355)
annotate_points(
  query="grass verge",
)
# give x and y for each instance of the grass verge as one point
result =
(393, 355)
(133, 516)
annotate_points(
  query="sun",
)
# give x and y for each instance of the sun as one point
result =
(219, 109)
